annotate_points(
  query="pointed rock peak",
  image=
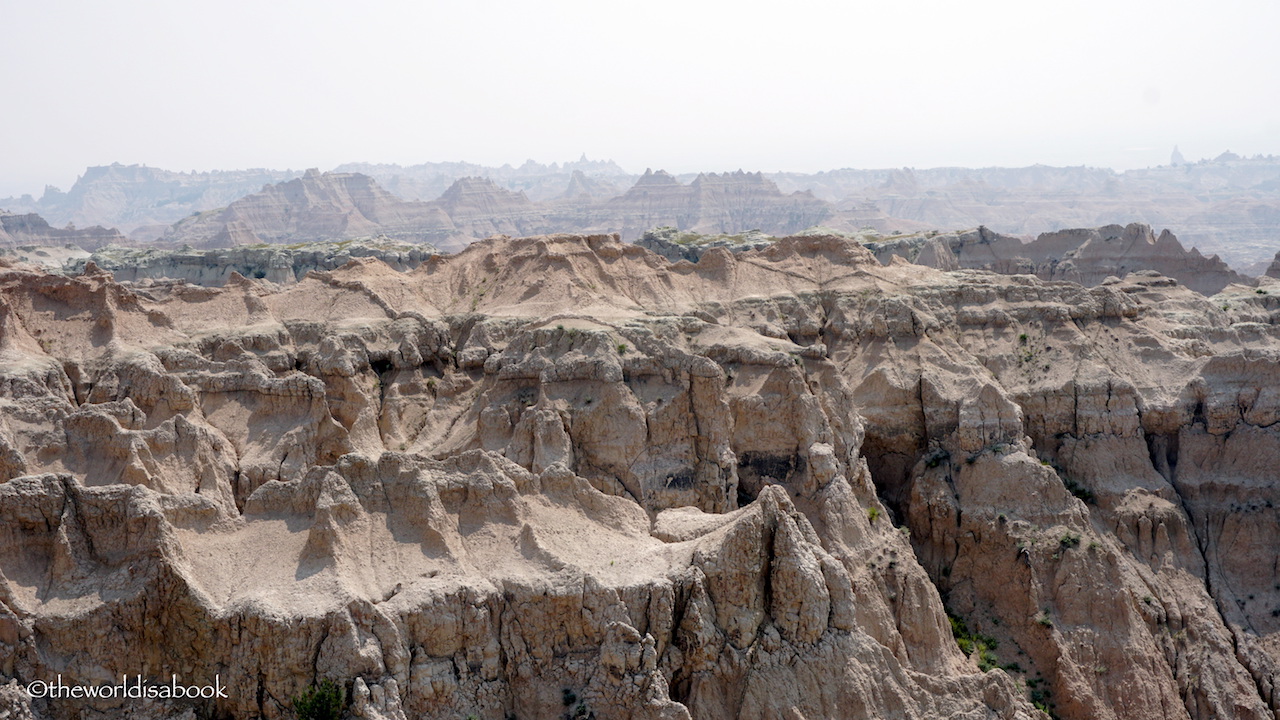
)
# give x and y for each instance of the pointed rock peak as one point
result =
(471, 188)
(1139, 231)
(312, 173)
(661, 177)
(472, 184)
(578, 185)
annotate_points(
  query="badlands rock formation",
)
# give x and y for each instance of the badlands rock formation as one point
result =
(282, 264)
(566, 477)
(711, 203)
(601, 179)
(1088, 256)
(1228, 206)
(336, 206)
(32, 230)
(143, 200)
(315, 207)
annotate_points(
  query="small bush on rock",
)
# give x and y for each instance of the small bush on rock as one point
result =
(320, 702)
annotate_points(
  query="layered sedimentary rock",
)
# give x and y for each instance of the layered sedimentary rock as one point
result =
(32, 230)
(334, 206)
(566, 476)
(586, 188)
(317, 206)
(1087, 256)
(711, 203)
(1225, 206)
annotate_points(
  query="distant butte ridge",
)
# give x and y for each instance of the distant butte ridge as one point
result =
(31, 229)
(335, 206)
(1228, 205)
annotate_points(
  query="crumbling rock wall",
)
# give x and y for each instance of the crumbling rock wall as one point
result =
(562, 476)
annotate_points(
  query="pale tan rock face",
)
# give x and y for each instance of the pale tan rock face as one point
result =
(564, 476)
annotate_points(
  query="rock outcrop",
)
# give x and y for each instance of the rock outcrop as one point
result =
(282, 264)
(336, 206)
(564, 476)
(134, 197)
(315, 207)
(1225, 206)
(539, 182)
(713, 203)
(32, 230)
(1229, 206)
(1087, 256)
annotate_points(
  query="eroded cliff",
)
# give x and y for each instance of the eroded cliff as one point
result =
(565, 476)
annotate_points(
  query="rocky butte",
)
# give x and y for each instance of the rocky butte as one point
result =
(142, 200)
(1228, 205)
(1089, 256)
(564, 476)
(320, 207)
(19, 230)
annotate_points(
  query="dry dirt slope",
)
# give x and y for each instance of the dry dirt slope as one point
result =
(563, 476)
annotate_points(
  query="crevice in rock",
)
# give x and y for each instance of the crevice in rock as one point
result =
(1162, 448)
(1199, 537)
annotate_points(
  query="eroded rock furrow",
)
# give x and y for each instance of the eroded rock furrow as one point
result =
(760, 496)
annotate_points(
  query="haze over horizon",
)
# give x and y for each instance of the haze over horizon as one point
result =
(710, 87)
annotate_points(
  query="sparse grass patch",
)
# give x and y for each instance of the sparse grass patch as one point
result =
(970, 643)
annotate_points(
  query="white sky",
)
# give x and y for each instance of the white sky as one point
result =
(795, 85)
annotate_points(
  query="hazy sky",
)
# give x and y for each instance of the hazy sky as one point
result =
(679, 85)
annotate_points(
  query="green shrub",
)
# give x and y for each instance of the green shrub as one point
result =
(970, 643)
(936, 457)
(320, 702)
(873, 513)
(1077, 489)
